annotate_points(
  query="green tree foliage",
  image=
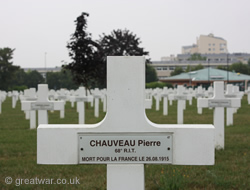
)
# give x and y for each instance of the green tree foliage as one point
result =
(238, 67)
(151, 75)
(197, 57)
(33, 78)
(120, 43)
(158, 85)
(86, 60)
(197, 67)
(62, 79)
(178, 70)
(88, 64)
(7, 70)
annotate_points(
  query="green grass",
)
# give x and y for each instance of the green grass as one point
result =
(18, 154)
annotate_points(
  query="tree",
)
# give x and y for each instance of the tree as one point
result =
(178, 70)
(197, 57)
(84, 53)
(19, 80)
(7, 70)
(239, 68)
(120, 43)
(195, 68)
(62, 79)
(151, 75)
(88, 64)
(33, 78)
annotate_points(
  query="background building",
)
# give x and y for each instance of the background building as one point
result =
(206, 77)
(164, 68)
(209, 44)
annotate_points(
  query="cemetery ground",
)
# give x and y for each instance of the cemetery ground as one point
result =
(18, 154)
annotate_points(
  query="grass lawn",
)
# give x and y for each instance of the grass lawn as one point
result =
(18, 154)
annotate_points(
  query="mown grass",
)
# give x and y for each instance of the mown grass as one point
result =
(18, 154)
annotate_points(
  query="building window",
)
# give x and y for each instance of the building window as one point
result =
(164, 68)
(171, 68)
(209, 44)
(213, 49)
(209, 49)
(213, 44)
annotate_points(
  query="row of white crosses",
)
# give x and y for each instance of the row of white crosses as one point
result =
(125, 139)
(219, 102)
(42, 105)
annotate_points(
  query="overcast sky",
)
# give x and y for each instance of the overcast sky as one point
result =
(41, 28)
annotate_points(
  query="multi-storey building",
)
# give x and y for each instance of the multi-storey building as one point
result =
(164, 68)
(207, 44)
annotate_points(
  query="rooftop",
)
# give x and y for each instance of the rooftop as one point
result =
(214, 74)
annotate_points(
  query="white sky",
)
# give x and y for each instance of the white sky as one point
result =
(34, 27)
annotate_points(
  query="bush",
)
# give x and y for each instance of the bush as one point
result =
(158, 85)
(19, 88)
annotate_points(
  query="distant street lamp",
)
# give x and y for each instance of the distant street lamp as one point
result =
(227, 70)
(45, 76)
(208, 73)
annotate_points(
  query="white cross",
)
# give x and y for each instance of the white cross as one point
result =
(42, 105)
(230, 111)
(181, 102)
(199, 94)
(124, 124)
(157, 96)
(164, 94)
(80, 99)
(219, 102)
(30, 95)
(14, 98)
(248, 94)
(97, 96)
(148, 99)
(2, 98)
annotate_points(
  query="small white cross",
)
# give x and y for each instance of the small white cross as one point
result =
(42, 105)
(219, 102)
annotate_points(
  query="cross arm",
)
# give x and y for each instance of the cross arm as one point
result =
(192, 144)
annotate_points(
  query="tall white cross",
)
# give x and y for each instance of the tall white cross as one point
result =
(219, 102)
(125, 139)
